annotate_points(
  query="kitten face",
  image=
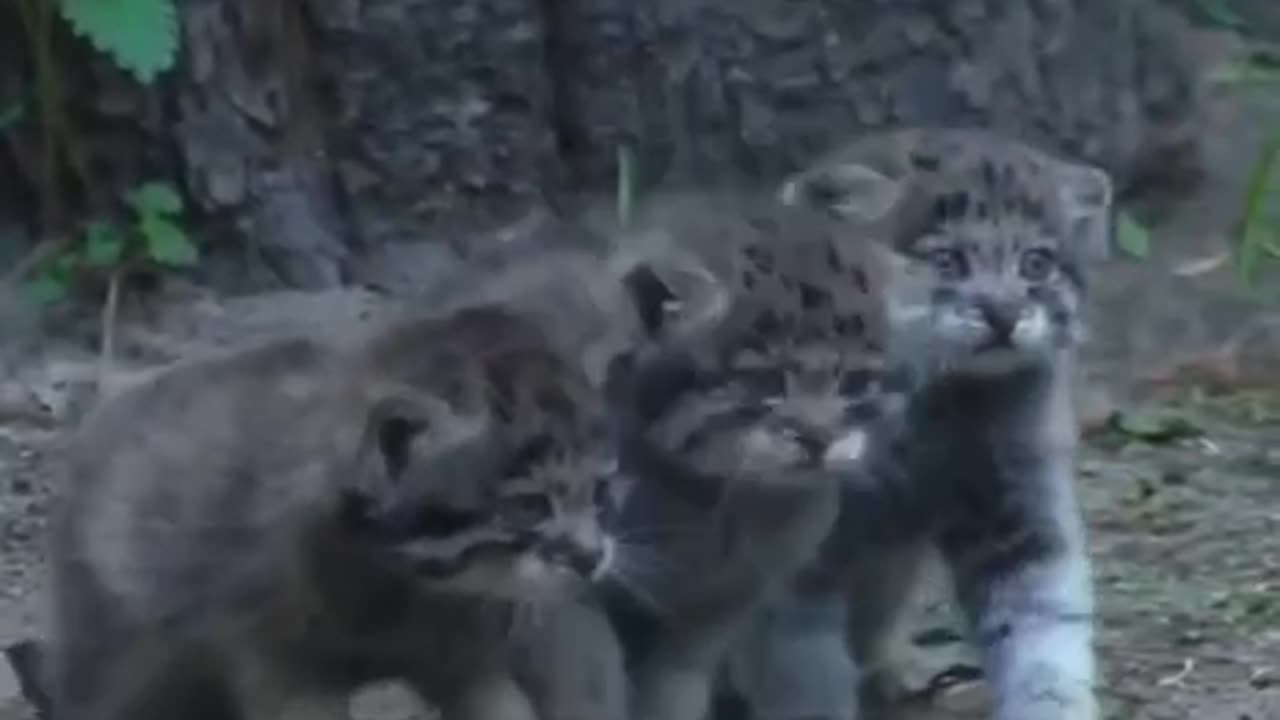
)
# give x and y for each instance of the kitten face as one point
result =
(1003, 293)
(503, 503)
(992, 239)
(785, 374)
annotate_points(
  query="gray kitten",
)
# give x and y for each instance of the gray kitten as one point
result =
(254, 535)
(994, 237)
(736, 436)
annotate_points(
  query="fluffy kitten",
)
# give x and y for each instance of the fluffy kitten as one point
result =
(254, 535)
(993, 238)
(736, 429)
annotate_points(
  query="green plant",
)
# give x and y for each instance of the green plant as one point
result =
(626, 185)
(141, 36)
(1258, 229)
(1260, 219)
(108, 250)
(1259, 224)
(12, 113)
(153, 238)
(1217, 13)
(1257, 71)
(1131, 237)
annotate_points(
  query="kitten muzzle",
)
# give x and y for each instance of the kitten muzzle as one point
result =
(813, 439)
(1002, 317)
(563, 550)
(847, 451)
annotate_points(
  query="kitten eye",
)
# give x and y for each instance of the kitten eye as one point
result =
(524, 510)
(949, 263)
(1035, 264)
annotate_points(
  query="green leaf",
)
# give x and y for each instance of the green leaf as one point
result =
(1154, 427)
(626, 185)
(141, 36)
(1256, 234)
(1131, 237)
(12, 113)
(1219, 13)
(104, 244)
(167, 243)
(1241, 75)
(66, 263)
(46, 290)
(156, 197)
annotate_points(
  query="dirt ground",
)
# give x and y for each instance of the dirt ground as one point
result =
(1182, 497)
(1186, 536)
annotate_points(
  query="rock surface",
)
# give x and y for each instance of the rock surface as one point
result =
(308, 133)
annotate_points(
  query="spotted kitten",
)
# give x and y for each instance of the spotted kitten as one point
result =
(251, 536)
(992, 240)
(736, 436)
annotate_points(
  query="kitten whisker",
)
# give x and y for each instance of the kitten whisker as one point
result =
(636, 588)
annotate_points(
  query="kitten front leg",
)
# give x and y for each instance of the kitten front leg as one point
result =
(671, 691)
(158, 676)
(494, 698)
(264, 691)
(570, 662)
(675, 680)
(882, 580)
(793, 662)
(1022, 576)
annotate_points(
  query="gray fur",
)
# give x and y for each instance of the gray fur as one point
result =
(994, 237)
(729, 430)
(258, 533)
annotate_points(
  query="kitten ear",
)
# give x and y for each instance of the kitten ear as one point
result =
(1087, 197)
(391, 467)
(382, 452)
(850, 190)
(674, 295)
(390, 427)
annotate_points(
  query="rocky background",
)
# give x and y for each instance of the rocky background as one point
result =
(310, 132)
(339, 156)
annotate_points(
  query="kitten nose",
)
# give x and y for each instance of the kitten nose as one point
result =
(1000, 315)
(813, 437)
(578, 544)
(582, 559)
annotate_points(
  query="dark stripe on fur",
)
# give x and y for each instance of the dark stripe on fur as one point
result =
(990, 637)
